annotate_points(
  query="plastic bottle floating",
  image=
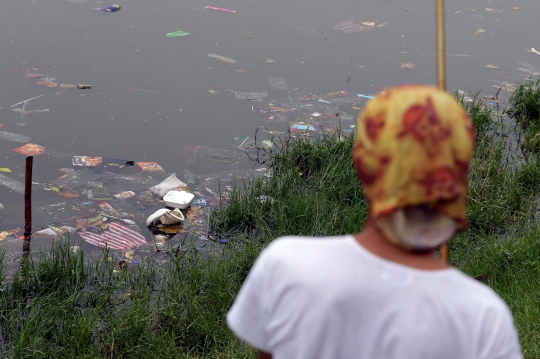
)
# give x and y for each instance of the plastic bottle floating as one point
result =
(110, 8)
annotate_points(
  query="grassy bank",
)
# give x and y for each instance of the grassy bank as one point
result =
(66, 306)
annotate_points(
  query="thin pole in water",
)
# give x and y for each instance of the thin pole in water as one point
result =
(441, 80)
(30, 99)
(23, 108)
(28, 204)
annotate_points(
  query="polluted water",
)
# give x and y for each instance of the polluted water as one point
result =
(150, 106)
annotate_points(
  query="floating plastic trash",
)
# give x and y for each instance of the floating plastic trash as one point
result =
(30, 149)
(350, 26)
(86, 161)
(407, 66)
(222, 58)
(178, 33)
(253, 96)
(219, 8)
(166, 216)
(12, 184)
(108, 210)
(45, 232)
(369, 97)
(116, 237)
(125, 195)
(99, 194)
(13, 137)
(160, 240)
(23, 112)
(49, 84)
(302, 127)
(168, 184)
(201, 202)
(110, 8)
(150, 167)
(277, 83)
(178, 199)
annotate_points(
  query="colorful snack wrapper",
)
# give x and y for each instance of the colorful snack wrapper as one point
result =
(30, 149)
(86, 161)
(150, 166)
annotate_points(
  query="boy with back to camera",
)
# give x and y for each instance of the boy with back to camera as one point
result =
(382, 293)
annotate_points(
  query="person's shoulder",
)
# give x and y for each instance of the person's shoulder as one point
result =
(475, 292)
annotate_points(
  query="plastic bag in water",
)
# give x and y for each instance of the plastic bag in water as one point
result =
(8, 136)
(277, 83)
(168, 184)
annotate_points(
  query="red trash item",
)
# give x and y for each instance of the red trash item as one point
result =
(30, 149)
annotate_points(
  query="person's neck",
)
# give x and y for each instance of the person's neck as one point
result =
(375, 242)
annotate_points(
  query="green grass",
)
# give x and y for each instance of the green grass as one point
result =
(62, 305)
(314, 192)
(68, 308)
(525, 103)
(511, 266)
(524, 108)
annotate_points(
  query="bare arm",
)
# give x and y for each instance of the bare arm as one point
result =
(263, 355)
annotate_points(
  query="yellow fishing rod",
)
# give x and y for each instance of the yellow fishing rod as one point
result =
(441, 79)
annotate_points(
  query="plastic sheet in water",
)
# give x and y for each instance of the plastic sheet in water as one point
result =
(117, 177)
(168, 184)
(75, 178)
(253, 96)
(277, 83)
(13, 137)
(12, 184)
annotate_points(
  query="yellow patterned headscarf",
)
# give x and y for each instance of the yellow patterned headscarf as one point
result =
(413, 146)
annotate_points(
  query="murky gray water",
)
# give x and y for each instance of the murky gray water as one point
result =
(155, 98)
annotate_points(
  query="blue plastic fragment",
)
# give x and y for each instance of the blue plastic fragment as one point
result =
(110, 8)
(136, 261)
(324, 101)
(223, 241)
(369, 97)
(301, 127)
(200, 201)
(499, 105)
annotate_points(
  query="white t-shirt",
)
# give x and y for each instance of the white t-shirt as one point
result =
(331, 298)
